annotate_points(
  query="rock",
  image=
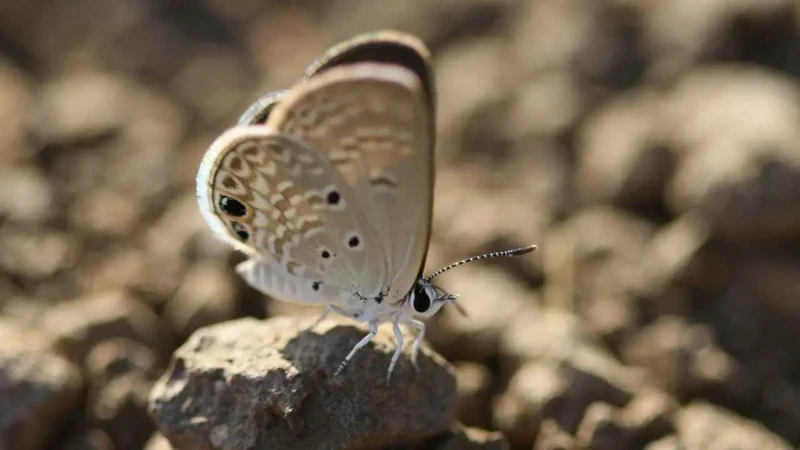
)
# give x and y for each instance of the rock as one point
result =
(41, 390)
(739, 163)
(600, 429)
(92, 439)
(474, 384)
(80, 324)
(491, 299)
(701, 425)
(620, 158)
(561, 389)
(466, 438)
(605, 246)
(15, 103)
(121, 374)
(650, 415)
(684, 358)
(250, 384)
(552, 437)
(713, 30)
(158, 442)
(67, 111)
(206, 297)
(25, 195)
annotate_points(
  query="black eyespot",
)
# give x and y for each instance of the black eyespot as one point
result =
(315, 285)
(334, 198)
(422, 302)
(353, 242)
(326, 254)
(232, 207)
(240, 231)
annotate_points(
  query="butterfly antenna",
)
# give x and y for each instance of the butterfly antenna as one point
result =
(506, 253)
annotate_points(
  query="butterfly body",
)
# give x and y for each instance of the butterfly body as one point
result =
(328, 186)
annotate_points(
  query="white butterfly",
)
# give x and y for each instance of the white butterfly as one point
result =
(328, 187)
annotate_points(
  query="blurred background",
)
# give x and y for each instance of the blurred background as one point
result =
(650, 148)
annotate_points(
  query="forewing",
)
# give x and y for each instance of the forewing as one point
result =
(280, 201)
(373, 123)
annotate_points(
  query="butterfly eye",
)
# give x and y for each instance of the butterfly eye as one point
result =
(422, 302)
(232, 207)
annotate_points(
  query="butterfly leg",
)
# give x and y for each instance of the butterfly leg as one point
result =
(373, 330)
(420, 326)
(325, 313)
(398, 334)
(322, 317)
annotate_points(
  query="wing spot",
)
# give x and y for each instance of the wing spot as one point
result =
(334, 198)
(230, 182)
(354, 242)
(240, 231)
(232, 207)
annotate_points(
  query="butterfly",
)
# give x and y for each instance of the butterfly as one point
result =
(327, 187)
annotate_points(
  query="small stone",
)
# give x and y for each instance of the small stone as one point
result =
(474, 383)
(158, 442)
(79, 324)
(701, 425)
(92, 439)
(276, 382)
(468, 438)
(552, 437)
(206, 297)
(41, 390)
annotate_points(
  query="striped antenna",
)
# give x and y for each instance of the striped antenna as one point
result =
(505, 253)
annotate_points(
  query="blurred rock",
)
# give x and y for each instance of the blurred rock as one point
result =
(36, 254)
(541, 333)
(92, 439)
(466, 438)
(701, 426)
(592, 263)
(740, 152)
(120, 409)
(41, 391)
(552, 437)
(276, 380)
(675, 261)
(492, 299)
(206, 297)
(158, 442)
(712, 30)
(80, 324)
(67, 109)
(561, 390)
(25, 195)
(600, 429)
(474, 384)
(119, 357)
(620, 159)
(105, 212)
(16, 99)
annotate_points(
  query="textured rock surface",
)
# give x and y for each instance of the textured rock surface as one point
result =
(251, 384)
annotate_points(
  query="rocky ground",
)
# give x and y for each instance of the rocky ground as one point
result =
(651, 150)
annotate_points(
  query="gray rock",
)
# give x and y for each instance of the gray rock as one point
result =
(250, 384)
(40, 390)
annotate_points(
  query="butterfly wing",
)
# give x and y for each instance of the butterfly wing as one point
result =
(373, 123)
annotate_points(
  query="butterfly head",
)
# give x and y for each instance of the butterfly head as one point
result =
(425, 299)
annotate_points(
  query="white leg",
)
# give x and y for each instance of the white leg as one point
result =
(373, 330)
(322, 317)
(325, 313)
(399, 336)
(419, 325)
